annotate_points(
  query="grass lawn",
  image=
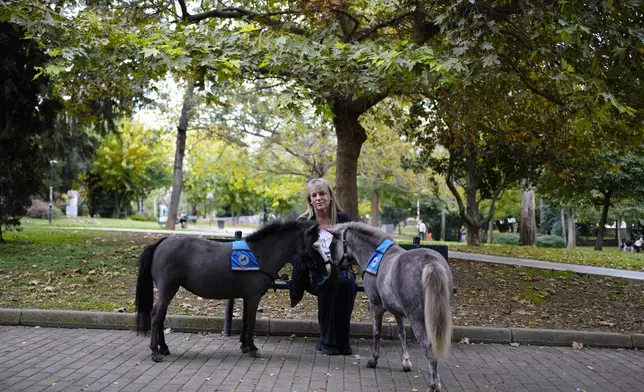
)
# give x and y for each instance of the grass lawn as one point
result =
(115, 223)
(610, 257)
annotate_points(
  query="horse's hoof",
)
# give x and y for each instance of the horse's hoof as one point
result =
(164, 351)
(372, 363)
(245, 349)
(157, 357)
(254, 353)
(435, 388)
(406, 365)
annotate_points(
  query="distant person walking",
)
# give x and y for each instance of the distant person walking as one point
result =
(422, 229)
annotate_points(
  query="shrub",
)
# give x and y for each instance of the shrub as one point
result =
(143, 218)
(40, 210)
(506, 238)
(550, 241)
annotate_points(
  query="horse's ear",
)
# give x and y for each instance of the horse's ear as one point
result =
(312, 230)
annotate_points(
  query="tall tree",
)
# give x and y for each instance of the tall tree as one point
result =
(179, 152)
(528, 223)
(482, 149)
(380, 166)
(27, 123)
(600, 176)
(127, 165)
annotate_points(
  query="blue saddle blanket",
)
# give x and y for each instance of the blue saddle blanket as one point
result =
(376, 257)
(242, 258)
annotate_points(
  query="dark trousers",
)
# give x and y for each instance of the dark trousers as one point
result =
(335, 305)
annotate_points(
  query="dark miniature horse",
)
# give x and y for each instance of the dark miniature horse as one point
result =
(203, 267)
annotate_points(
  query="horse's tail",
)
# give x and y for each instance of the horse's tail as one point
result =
(144, 289)
(438, 314)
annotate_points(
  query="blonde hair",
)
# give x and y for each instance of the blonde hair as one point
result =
(334, 207)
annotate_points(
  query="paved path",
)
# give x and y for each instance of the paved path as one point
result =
(582, 269)
(45, 359)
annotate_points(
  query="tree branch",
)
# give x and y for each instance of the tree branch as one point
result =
(457, 196)
(526, 82)
(238, 13)
(368, 32)
(497, 195)
(280, 172)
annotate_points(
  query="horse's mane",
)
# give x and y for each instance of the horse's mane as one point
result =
(279, 227)
(365, 229)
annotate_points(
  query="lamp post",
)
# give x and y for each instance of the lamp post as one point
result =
(51, 187)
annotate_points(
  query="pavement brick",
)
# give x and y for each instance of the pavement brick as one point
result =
(48, 359)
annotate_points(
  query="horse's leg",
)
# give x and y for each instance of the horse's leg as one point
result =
(154, 333)
(157, 345)
(402, 335)
(433, 380)
(242, 336)
(377, 311)
(253, 303)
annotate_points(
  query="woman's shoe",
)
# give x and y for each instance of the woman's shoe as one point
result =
(328, 350)
(346, 351)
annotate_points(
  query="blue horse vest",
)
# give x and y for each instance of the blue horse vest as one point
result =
(242, 258)
(376, 257)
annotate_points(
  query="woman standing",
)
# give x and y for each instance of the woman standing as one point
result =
(335, 296)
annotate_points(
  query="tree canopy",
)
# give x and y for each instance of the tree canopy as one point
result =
(27, 122)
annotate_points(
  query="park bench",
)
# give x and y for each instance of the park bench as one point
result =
(280, 284)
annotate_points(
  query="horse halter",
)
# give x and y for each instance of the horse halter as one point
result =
(345, 253)
(328, 266)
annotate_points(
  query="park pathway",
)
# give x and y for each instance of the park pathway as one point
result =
(582, 269)
(49, 359)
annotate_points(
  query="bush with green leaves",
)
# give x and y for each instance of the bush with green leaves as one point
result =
(550, 241)
(40, 210)
(506, 238)
(143, 218)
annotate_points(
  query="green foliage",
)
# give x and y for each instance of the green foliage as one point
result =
(509, 205)
(27, 124)
(506, 238)
(430, 213)
(550, 241)
(128, 164)
(143, 218)
(396, 207)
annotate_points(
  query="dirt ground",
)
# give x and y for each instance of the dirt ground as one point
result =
(487, 294)
(492, 295)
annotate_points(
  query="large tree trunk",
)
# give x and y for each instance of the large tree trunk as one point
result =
(572, 238)
(563, 226)
(443, 225)
(528, 224)
(375, 213)
(619, 231)
(350, 135)
(177, 175)
(602, 221)
(490, 231)
(542, 207)
(629, 229)
(116, 211)
(472, 208)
